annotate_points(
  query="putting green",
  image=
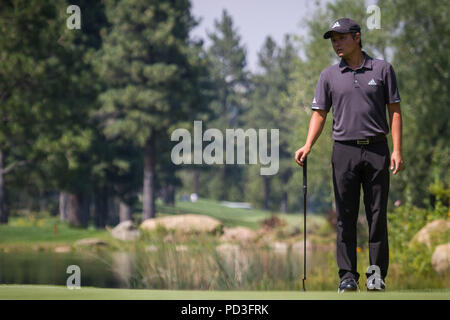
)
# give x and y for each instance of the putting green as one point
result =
(42, 292)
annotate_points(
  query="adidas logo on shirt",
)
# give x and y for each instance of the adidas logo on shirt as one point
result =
(335, 25)
(314, 102)
(372, 83)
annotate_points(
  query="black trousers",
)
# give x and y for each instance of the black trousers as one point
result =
(353, 166)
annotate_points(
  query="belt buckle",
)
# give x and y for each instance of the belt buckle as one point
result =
(363, 141)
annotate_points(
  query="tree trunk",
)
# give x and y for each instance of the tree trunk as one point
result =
(125, 211)
(113, 215)
(285, 176)
(148, 190)
(196, 180)
(3, 206)
(63, 200)
(266, 182)
(77, 210)
(284, 202)
(169, 195)
(223, 190)
(101, 207)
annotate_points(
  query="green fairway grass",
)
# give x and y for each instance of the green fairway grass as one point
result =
(33, 231)
(232, 217)
(38, 292)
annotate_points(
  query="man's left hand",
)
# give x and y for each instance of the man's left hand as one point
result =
(397, 163)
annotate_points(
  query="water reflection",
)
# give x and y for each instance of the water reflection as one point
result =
(50, 268)
(106, 269)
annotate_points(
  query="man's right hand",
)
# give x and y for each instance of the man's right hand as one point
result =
(315, 128)
(300, 155)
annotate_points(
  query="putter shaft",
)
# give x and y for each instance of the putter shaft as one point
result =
(305, 188)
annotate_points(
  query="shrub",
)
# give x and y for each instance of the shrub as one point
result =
(413, 260)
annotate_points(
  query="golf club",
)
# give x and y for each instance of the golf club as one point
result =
(304, 222)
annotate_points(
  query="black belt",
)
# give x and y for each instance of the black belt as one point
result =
(368, 140)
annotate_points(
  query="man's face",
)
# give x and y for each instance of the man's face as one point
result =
(344, 44)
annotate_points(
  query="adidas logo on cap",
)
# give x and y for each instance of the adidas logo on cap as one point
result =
(335, 25)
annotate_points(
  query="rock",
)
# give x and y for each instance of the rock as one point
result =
(62, 249)
(266, 237)
(91, 242)
(169, 239)
(241, 234)
(126, 231)
(425, 234)
(279, 247)
(273, 222)
(181, 248)
(122, 266)
(228, 248)
(184, 223)
(235, 259)
(151, 248)
(441, 258)
(295, 231)
(298, 247)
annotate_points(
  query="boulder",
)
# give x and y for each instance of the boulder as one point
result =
(441, 258)
(299, 247)
(181, 248)
(123, 266)
(151, 248)
(235, 258)
(90, 242)
(126, 231)
(228, 249)
(169, 238)
(184, 223)
(280, 247)
(62, 249)
(425, 234)
(240, 234)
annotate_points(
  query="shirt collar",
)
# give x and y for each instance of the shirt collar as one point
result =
(366, 64)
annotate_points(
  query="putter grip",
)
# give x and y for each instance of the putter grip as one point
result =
(304, 174)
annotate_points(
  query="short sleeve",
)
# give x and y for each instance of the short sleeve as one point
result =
(391, 93)
(322, 96)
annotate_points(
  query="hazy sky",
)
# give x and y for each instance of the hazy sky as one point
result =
(254, 20)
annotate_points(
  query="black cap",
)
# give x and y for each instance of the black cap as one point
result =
(343, 25)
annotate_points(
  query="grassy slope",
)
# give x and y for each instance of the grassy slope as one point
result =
(24, 292)
(250, 218)
(43, 232)
(22, 231)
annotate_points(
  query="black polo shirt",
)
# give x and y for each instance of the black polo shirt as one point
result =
(358, 97)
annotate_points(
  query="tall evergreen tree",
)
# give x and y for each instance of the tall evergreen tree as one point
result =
(151, 70)
(228, 73)
(269, 110)
(72, 167)
(421, 60)
(33, 85)
(264, 106)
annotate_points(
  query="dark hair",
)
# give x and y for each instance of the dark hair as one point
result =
(354, 36)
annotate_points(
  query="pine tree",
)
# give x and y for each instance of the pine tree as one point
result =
(227, 57)
(33, 83)
(151, 71)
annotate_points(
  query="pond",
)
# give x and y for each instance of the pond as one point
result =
(166, 268)
(50, 268)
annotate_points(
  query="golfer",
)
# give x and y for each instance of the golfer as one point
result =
(358, 88)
